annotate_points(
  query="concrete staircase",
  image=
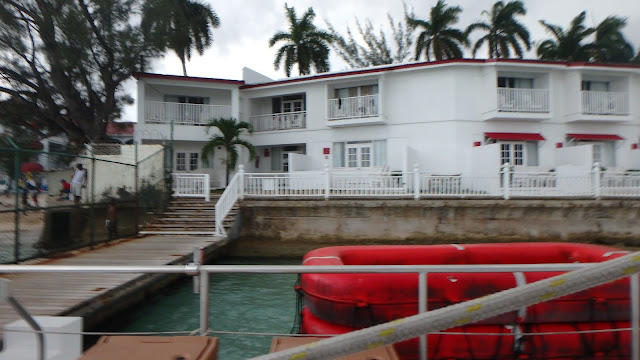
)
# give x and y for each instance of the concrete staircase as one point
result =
(188, 216)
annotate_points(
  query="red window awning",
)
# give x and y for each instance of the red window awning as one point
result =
(514, 136)
(595, 137)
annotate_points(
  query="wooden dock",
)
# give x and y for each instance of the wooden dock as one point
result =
(96, 296)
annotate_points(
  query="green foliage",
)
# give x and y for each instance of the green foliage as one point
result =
(566, 45)
(229, 139)
(67, 59)
(610, 44)
(180, 25)
(375, 50)
(437, 37)
(305, 44)
(503, 32)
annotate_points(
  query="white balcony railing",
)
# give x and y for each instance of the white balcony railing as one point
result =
(523, 100)
(160, 112)
(605, 103)
(353, 107)
(280, 121)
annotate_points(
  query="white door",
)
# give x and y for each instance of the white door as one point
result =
(359, 155)
(512, 153)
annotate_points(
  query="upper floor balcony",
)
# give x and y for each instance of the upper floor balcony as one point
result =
(605, 103)
(523, 100)
(161, 112)
(279, 121)
(354, 110)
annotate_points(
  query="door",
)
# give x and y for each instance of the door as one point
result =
(512, 153)
(359, 155)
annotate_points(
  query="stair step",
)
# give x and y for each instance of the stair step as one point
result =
(151, 232)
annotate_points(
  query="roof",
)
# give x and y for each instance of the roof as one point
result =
(120, 128)
(595, 136)
(396, 67)
(140, 75)
(514, 136)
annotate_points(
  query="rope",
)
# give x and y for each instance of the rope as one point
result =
(463, 313)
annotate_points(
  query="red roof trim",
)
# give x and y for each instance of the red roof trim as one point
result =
(120, 128)
(140, 75)
(595, 136)
(366, 71)
(514, 136)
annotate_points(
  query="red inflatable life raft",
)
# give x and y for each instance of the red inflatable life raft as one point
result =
(339, 303)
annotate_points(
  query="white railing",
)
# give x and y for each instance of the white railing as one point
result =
(191, 185)
(605, 103)
(353, 107)
(523, 100)
(227, 200)
(580, 277)
(159, 112)
(418, 184)
(279, 121)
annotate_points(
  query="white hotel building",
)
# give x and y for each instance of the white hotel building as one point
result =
(451, 117)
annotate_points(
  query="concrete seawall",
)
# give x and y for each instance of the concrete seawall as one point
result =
(290, 227)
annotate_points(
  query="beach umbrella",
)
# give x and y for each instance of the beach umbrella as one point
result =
(31, 166)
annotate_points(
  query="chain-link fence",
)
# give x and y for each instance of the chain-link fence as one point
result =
(54, 201)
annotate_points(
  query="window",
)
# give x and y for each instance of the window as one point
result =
(588, 85)
(355, 91)
(512, 153)
(182, 99)
(359, 154)
(285, 104)
(515, 83)
(603, 153)
(193, 161)
(181, 161)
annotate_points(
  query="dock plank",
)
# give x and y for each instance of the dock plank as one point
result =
(60, 293)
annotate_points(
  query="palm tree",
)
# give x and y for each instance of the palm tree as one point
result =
(305, 44)
(610, 45)
(437, 36)
(229, 138)
(567, 45)
(503, 31)
(180, 25)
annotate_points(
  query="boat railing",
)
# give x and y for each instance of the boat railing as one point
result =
(580, 276)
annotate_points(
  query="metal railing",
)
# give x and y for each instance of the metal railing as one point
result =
(523, 100)
(279, 121)
(605, 103)
(160, 112)
(191, 185)
(203, 271)
(353, 107)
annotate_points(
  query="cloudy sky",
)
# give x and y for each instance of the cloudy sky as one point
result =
(246, 26)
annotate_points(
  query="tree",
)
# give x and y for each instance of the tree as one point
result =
(610, 44)
(567, 45)
(181, 25)
(438, 37)
(503, 31)
(66, 60)
(229, 138)
(376, 50)
(305, 44)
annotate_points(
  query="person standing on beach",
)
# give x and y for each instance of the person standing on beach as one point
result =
(78, 182)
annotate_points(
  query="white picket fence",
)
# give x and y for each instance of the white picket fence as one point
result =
(191, 185)
(420, 184)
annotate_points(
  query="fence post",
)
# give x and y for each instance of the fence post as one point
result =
(92, 222)
(16, 239)
(241, 182)
(137, 190)
(327, 181)
(416, 181)
(596, 180)
(207, 189)
(506, 174)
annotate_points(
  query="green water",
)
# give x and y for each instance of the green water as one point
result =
(238, 303)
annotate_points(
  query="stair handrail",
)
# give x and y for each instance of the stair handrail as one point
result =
(232, 193)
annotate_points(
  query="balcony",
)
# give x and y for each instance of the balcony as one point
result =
(279, 121)
(160, 112)
(605, 103)
(523, 100)
(357, 110)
